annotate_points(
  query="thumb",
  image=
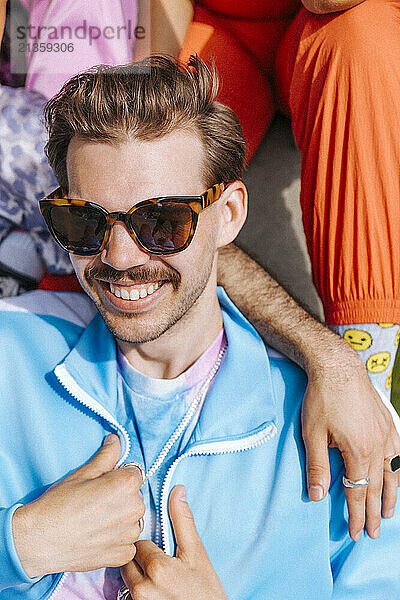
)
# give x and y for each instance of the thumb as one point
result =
(318, 468)
(188, 543)
(103, 461)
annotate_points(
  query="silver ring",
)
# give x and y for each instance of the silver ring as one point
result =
(141, 524)
(124, 593)
(360, 483)
(137, 465)
(392, 464)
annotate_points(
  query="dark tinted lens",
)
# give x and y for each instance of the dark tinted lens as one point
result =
(164, 228)
(78, 229)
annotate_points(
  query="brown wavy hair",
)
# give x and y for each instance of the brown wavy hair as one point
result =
(145, 101)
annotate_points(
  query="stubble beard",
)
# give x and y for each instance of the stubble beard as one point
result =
(150, 325)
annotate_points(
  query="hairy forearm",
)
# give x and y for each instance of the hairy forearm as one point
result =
(169, 21)
(327, 6)
(279, 319)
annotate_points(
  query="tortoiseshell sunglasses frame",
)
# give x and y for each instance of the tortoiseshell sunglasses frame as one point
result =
(195, 203)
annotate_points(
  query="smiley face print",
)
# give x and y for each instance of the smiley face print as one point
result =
(358, 340)
(378, 362)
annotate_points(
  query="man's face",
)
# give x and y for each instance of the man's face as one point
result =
(140, 295)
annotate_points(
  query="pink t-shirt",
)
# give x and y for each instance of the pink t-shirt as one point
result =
(76, 36)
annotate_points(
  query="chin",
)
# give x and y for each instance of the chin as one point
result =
(131, 329)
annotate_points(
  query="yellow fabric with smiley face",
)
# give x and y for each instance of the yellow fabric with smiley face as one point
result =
(378, 362)
(358, 339)
(376, 344)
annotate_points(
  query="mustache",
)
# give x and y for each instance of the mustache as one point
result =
(137, 274)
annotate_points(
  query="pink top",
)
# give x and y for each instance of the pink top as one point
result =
(76, 36)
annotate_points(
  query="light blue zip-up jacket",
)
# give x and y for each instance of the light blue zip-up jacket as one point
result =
(244, 469)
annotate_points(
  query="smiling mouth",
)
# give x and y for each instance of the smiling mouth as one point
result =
(134, 292)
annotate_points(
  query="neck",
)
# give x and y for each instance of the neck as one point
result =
(179, 347)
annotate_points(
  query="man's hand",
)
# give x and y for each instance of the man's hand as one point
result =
(341, 407)
(188, 576)
(87, 521)
(364, 432)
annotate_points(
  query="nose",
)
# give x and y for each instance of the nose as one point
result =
(121, 251)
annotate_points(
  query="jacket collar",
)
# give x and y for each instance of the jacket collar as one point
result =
(241, 397)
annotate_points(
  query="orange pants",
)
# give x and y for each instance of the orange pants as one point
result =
(242, 37)
(340, 76)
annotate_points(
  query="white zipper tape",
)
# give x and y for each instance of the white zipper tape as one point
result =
(75, 390)
(221, 447)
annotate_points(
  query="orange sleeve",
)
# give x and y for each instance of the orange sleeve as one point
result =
(341, 79)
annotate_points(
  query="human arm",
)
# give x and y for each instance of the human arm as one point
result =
(87, 521)
(187, 576)
(169, 21)
(340, 406)
(327, 6)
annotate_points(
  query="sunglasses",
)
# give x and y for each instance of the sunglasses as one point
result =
(159, 225)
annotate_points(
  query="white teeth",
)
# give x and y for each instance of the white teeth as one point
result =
(134, 295)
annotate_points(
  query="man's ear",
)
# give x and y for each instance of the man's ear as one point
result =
(233, 212)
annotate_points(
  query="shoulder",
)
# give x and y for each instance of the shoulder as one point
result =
(284, 367)
(289, 381)
(74, 308)
(43, 321)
